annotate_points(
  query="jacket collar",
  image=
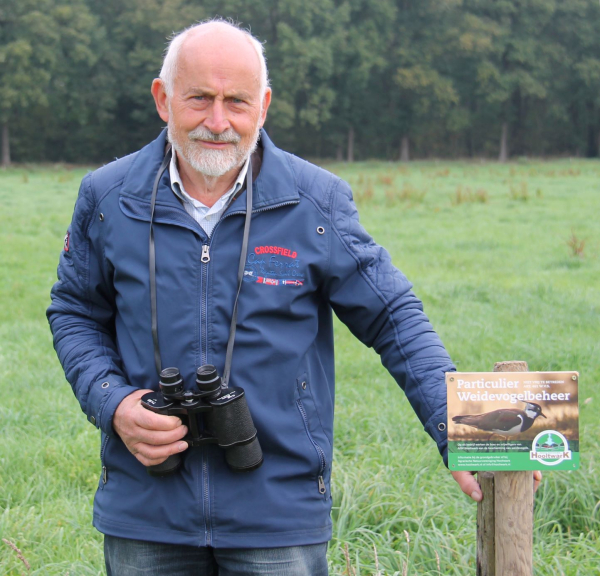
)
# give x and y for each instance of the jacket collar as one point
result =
(276, 182)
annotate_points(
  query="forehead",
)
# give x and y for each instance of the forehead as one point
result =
(218, 60)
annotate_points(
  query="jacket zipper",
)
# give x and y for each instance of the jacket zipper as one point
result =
(205, 253)
(207, 525)
(258, 211)
(321, 455)
(205, 259)
(104, 470)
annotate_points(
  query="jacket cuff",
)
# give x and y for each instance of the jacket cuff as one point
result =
(103, 400)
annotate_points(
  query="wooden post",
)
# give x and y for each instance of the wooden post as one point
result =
(505, 515)
(486, 534)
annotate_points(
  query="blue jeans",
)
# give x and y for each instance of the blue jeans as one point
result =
(125, 557)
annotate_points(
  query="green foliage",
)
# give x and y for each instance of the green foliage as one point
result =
(443, 76)
(28, 43)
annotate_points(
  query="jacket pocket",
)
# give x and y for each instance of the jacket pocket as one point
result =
(104, 474)
(321, 457)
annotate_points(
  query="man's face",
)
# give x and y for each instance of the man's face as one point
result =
(216, 111)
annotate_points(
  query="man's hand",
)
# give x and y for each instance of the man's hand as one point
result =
(150, 437)
(470, 486)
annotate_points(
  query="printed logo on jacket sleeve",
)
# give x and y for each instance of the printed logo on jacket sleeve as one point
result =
(67, 241)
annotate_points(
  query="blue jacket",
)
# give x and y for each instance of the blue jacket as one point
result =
(308, 255)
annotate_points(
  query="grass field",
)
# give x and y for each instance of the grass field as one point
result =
(507, 261)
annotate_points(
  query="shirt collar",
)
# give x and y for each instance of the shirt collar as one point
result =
(180, 192)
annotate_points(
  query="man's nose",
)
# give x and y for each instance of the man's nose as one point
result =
(216, 120)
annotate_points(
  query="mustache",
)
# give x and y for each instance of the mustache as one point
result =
(202, 133)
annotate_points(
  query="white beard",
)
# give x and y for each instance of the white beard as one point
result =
(210, 162)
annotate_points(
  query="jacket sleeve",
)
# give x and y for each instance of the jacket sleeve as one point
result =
(81, 318)
(375, 300)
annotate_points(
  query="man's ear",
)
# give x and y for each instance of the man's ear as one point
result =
(160, 98)
(265, 106)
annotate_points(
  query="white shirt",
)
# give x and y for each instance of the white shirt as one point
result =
(206, 216)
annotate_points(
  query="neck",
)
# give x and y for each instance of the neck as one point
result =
(206, 189)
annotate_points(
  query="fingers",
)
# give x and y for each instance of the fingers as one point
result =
(158, 437)
(150, 455)
(130, 414)
(152, 447)
(468, 484)
(150, 437)
(537, 479)
(146, 418)
(152, 421)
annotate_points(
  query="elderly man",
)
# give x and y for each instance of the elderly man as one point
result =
(149, 278)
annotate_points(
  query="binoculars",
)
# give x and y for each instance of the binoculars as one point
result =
(213, 415)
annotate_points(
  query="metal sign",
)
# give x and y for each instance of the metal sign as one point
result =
(513, 420)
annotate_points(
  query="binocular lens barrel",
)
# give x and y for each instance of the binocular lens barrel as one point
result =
(245, 457)
(208, 379)
(170, 465)
(171, 381)
(231, 421)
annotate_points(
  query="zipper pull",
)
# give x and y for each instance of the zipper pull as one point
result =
(205, 254)
(104, 475)
(322, 487)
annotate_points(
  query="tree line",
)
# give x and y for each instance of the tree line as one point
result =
(351, 79)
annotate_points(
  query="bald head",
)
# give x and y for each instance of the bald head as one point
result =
(216, 39)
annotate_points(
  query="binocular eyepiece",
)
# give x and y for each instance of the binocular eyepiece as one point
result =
(213, 415)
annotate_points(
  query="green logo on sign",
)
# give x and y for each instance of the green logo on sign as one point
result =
(550, 448)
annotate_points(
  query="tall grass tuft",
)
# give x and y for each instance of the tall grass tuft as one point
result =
(520, 192)
(18, 552)
(576, 245)
(408, 193)
(366, 193)
(385, 179)
(464, 194)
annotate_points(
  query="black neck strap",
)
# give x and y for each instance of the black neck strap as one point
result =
(240, 278)
(152, 259)
(241, 266)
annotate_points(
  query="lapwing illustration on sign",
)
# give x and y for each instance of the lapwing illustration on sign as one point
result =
(506, 421)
